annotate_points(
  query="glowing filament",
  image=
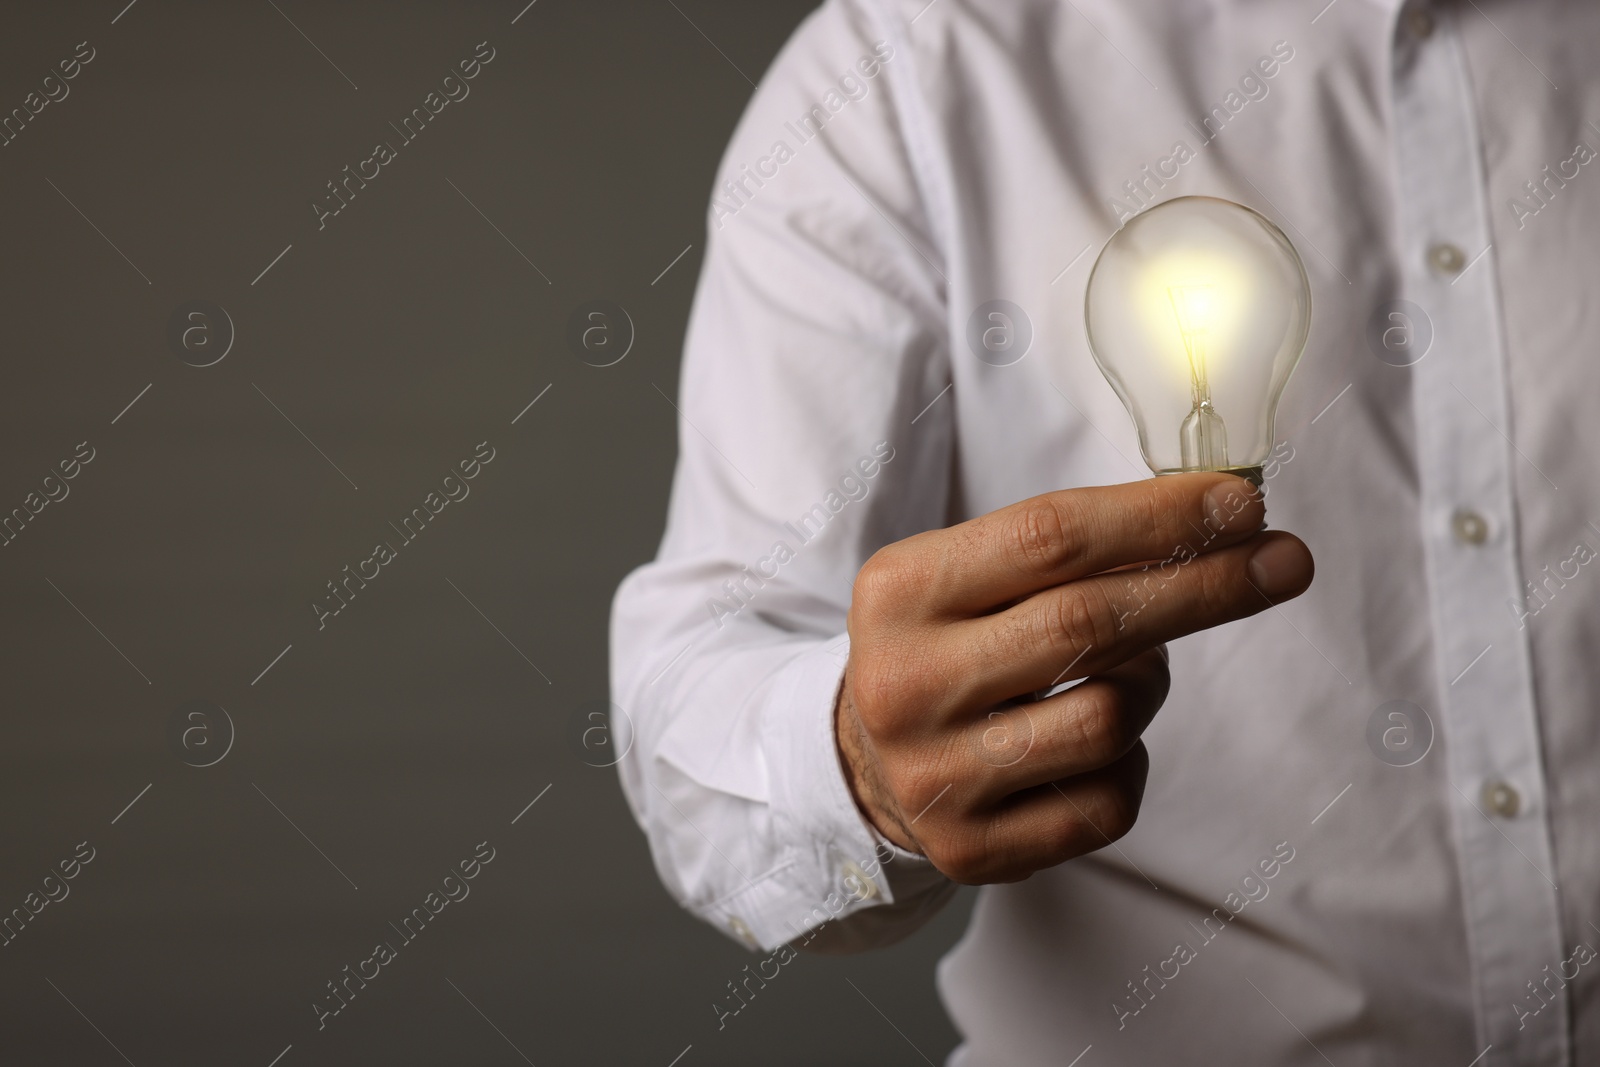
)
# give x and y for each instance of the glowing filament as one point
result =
(1203, 438)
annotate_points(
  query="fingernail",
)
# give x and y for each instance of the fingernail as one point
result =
(1233, 505)
(1278, 568)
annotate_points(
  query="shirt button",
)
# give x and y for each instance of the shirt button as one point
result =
(1447, 258)
(1500, 798)
(1419, 21)
(856, 882)
(1469, 527)
(742, 929)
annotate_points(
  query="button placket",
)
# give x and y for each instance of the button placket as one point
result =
(1486, 698)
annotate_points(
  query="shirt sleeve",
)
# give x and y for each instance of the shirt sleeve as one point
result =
(813, 429)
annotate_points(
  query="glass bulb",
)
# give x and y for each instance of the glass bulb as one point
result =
(1197, 312)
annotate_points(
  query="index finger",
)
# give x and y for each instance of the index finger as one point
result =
(1057, 537)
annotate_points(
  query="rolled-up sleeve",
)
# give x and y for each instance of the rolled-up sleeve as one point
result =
(816, 344)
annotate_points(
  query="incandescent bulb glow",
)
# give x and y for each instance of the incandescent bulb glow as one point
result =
(1197, 311)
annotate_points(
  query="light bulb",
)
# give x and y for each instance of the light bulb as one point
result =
(1197, 311)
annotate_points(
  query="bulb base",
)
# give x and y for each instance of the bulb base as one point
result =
(1253, 475)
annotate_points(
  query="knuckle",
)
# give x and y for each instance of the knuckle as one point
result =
(874, 688)
(1223, 592)
(901, 686)
(1156, 506)
(1104, 816)
(963, 855)
(1083, 618)
(1106, 811)
(1167, 508)
(922, 783)
(1073, 836)
(1118, 808)
(1039, 535)
(892, 693)
(887, 581)
(1005, 736)
(1099, 727)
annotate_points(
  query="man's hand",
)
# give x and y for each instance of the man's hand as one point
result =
(953, 631)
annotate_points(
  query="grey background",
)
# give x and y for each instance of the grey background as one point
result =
(377, 752)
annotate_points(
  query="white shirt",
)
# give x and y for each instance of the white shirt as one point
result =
(1414, 914)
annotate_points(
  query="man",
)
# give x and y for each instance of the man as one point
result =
(1365, 817)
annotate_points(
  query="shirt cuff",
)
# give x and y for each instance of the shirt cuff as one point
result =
(836, 863)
